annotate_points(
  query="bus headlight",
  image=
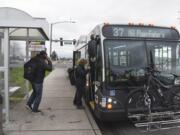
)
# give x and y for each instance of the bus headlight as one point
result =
(177, 81)
(109, 100)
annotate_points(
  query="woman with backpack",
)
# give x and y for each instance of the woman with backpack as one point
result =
(80, 82)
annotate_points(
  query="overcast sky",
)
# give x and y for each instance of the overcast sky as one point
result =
(89, 13)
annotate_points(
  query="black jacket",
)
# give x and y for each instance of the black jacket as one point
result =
(41, 69)
(80, 76)
(92, 48)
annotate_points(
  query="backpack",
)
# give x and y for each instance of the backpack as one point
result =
(71, 76)
(30, 70)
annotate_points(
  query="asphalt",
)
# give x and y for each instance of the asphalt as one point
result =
(59, 116)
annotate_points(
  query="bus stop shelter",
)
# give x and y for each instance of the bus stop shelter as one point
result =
(18, 25)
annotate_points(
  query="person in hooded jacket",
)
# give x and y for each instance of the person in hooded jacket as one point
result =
(92, 48)
(80, 82)
(43, 64)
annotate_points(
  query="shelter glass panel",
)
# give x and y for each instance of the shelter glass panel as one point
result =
(35, 34)
(1, 49)
(18, 32)
(1, 83)
(22, 34)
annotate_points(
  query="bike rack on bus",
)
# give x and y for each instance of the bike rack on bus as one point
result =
(156, 121)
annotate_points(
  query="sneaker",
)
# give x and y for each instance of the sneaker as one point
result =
(29, 107)
(74, 103)
(37, 111)
(80, 107)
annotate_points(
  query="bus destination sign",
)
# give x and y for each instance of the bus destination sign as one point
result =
(117, 31)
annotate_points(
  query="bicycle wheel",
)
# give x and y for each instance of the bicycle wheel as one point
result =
(136, 103)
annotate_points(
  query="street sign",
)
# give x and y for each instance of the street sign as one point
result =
(68, 42)
(37, 47)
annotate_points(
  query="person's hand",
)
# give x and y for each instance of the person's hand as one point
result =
(46, 61)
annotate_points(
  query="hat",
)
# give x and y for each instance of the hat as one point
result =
(92, 37)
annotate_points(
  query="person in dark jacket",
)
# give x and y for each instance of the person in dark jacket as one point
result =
(43, 64)
(80, 78)
(92, 49)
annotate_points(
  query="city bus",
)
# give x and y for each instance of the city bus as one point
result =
(122, 55)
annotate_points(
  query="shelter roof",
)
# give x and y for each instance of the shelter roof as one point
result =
(19, 21)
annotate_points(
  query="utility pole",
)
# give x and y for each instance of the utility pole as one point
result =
(178, 18)
(51, 32)
(51, 40)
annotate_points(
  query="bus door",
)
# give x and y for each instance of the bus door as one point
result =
(76, 56)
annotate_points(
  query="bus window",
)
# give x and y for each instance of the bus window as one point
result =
(122, 54)
(115, 57)
(165, 55)
(76, 56)
(162, 57)
(125, 60)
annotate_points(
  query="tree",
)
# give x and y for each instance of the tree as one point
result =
(54, 55)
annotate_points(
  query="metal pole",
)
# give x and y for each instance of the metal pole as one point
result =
(51, 31)
(27, 58)
(1, 107)
(6, 73)
(51, 39)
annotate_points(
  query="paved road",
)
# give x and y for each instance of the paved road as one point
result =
(127, 128)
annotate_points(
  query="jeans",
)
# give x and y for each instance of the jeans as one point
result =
(79, 93)
(36, 96)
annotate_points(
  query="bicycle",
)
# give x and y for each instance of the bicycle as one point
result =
(154, 96)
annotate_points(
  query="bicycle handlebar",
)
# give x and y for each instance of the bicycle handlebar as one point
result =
(162, 84)
(151, 71)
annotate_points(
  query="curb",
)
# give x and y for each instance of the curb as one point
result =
(94, 126)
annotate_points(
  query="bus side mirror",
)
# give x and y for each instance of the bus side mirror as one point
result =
(74, 41)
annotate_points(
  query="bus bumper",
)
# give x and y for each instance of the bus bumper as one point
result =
(110, 115)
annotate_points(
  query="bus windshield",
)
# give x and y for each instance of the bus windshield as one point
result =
(166, 56)
(126, 60)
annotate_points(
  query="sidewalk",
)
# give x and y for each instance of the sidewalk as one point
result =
(59, 116)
